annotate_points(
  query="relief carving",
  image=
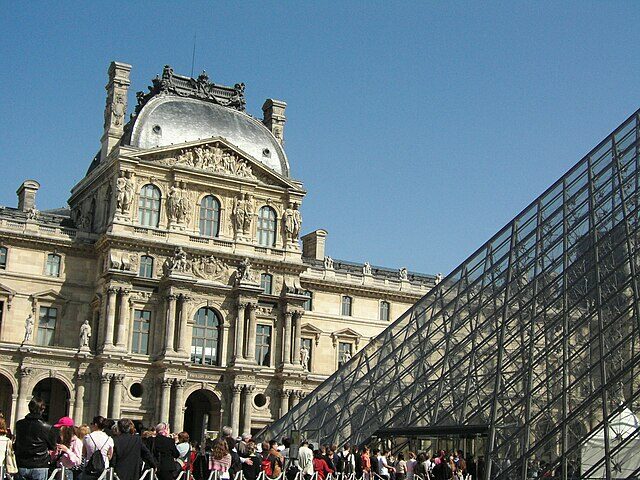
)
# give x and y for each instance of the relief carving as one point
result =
(211, 268)
(124, 261)
(292, 220)
(178, 263)
(178, 205)
(243, 212)
(125, 187)
(211, 158)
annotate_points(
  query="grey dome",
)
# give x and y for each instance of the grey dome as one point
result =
(170, 120)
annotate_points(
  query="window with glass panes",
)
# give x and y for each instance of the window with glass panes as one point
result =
(146, 266)
(308, 303)
(3, 257)
(265, 283)
(384, 310)
(346, 305)
(209, 216)
(47, 326)
(205, 338)
(345, 351)
(307, 343)
(53, 265)
(149, 206)
(267, 227)
(263, 345)
(140, 338)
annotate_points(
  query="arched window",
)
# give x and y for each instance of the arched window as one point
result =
(266, 282)
(209, 216)
(267, 227)
(206, 336)
(346, 305)
(146, 266)
(52, 267)
(384, 310)
(149, 206)
(3, 258)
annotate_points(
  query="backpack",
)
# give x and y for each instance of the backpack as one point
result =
(95, 464)
(338, 462)
(266, 466)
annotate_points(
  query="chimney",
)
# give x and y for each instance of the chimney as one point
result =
(313, 244)
(27, 195)
(116, 107)
(274, 118)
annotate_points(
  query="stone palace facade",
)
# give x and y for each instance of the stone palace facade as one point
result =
(175, 286)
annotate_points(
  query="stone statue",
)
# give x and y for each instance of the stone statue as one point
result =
(403, 273)
(366, 268)
(177, 205)
(85, 334)
(28, 329)
(346, 357)
(438, 278)
(239, 215)
(118, 108)
(292, 222)
(304, 357)
(244, 273)
(125, 192)
(328, 263)
(249, 210)
(178, 263)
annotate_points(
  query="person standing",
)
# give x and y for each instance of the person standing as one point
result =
(365, 461)
(305, 459)
(401, 467)
(97, 440)
(129, 452)
(164, 452)
(5, 441)
(34, 440)
(320, 465)
(411, 465)
(220, 460)
(68, 452)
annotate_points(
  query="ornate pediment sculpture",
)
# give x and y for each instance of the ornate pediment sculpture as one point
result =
(211, 268)
(179, 263)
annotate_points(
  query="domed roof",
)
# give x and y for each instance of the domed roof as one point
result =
(168, 119)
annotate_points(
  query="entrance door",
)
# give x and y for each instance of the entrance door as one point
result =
(6, 392)
(202, 413)
(55, 395)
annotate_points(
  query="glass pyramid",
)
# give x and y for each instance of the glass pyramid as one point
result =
(535, 336)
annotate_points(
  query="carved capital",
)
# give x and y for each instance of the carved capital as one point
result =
(285, 393)
(180, 382)
(106, 377)
(166, 382)
(236, 389)
(118, 377)
(249, 388)
(112, 290)
(297, 314)
(171, 297)
(25, 372)
(288, 315)
(252, 306)
(125, 292)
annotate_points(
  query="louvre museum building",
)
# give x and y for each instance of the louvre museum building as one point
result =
(178, 286)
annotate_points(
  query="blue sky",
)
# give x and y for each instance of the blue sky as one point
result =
(418, 128)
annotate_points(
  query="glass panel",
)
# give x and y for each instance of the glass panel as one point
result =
(205, 337)
(267, 227)
(308, 303)
(149, 206)
(46, 326)
(3, 257)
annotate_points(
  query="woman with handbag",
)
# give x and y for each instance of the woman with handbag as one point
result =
(7, 457)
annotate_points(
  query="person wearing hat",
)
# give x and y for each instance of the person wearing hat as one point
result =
(68, 452)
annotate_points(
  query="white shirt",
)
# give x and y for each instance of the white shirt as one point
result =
(382, 465)
(305, 460)
(98, 440)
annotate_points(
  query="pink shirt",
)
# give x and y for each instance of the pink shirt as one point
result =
(72, 457)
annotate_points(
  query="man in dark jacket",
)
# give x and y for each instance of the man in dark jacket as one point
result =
(34, 440)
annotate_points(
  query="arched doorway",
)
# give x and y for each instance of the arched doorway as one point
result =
(6, 392)
(55, 395)
(202, 413)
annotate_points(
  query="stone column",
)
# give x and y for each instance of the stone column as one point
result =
(248, 397)
(284, 401)
(165, 392)
(238, 352)
(236, 390)
(178, 405)
(251, 334)
(14, 407)
(286, 338)
(170, 324)
(297, 337)
(116, 399)
(295, 398)
(123, 319)
(23, 394)
(224, 343)
(183, 346)
(78, 412)
(111, 317)
(103, 406)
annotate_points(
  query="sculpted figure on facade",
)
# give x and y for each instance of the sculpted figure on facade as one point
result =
(304, 358)
(85, 334)
(125, 189)
(403, 273)
(178, 263)
(249, 211)
(292, 222)
(118, 108)
(214, 159)
(438, 278)
(244, 273)
(366, 268)
(28, 329)
(178, 205)
(211, 268)
(32, 213)
(239, 215)
(328, 263)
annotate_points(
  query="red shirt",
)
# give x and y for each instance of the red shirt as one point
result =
(321, 468)
(366, 462)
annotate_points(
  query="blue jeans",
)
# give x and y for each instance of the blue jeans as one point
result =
(33, 473)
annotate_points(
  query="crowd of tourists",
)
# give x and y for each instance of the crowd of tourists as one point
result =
(84, 452)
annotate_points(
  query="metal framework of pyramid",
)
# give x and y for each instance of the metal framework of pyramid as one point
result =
(536, 335)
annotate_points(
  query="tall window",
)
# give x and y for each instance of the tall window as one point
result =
(146, 266)
(141, 324)
(384, 311)
(346, 305)
(53, 265)
(263, 345)
(267, 227)
(3, 258)
(308, 344)
(209, 217)
(206, 333)
(149, 206)
(266, 282)
(344, 353)
(47, 325)
(308, 303)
